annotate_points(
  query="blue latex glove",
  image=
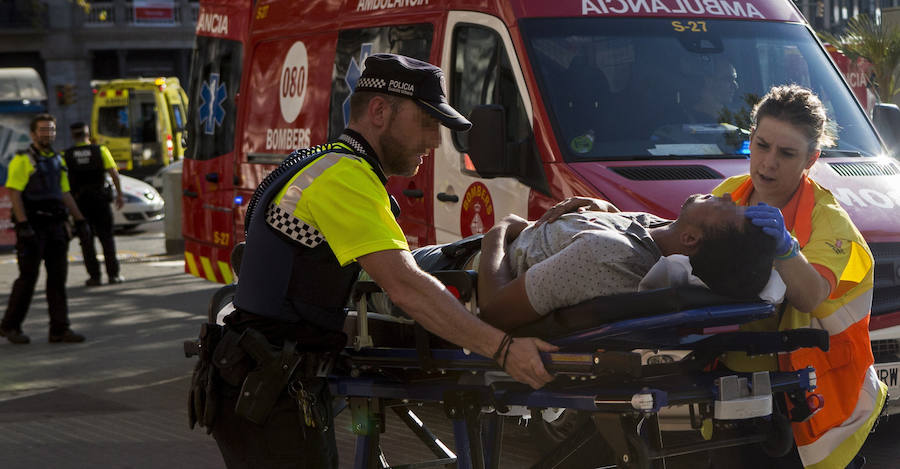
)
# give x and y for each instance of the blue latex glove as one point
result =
(769, 218)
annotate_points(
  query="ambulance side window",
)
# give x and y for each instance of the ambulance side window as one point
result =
(177, 118)
(482, 74)
(354, 45)
(214, 84)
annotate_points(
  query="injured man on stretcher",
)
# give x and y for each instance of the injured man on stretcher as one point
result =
(528, 269)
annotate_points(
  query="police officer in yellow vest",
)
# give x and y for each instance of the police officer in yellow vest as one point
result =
(316, 221)
(828, 270)
(88, 166)
(41, 204)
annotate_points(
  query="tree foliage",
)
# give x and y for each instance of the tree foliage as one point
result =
(875, 42)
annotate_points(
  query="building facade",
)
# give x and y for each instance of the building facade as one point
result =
(832, 15)
(71, 45)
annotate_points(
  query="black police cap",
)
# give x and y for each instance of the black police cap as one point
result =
(410, 78)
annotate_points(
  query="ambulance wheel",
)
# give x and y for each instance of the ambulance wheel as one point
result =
(780, 437)
(548, 435)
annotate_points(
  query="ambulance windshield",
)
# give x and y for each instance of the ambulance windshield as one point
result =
(662, 88)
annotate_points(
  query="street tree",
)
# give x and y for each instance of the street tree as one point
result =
(877, 43)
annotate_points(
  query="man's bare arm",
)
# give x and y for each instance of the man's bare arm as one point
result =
(120, 199)
(576, 204)
(502, 299)
(18, 207)
(72, 206)
(430, 303)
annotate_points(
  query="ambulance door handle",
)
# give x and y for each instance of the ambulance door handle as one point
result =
(212, 177)
(445, 197)
(414, 193)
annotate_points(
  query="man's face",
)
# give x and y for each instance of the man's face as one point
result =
(706, 210)
(44, 134)
(85, 132)
(411, 133)
(724, 83)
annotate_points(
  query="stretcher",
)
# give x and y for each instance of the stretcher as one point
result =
(393, 363)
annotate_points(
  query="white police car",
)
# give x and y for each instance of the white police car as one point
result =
(143, 204)
(156, 179)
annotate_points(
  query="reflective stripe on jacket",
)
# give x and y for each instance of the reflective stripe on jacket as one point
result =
(845, 374)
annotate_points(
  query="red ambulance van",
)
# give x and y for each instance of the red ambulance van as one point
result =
(640, 102)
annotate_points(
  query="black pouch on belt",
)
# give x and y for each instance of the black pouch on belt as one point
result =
(203, 398)
(264, 385)
(231, 360)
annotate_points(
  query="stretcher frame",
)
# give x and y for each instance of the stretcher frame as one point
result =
(625, 415)
(368, 379)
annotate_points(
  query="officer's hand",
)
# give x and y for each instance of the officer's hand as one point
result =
(24, 230)
(769, 218)
(120, 201)
(524, 361)
(82, 229)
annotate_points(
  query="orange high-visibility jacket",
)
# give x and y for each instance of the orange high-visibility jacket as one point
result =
(845, 374)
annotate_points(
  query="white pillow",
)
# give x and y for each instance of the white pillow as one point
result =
(675, 270)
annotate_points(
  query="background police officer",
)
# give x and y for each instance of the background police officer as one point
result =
(39, 191)
(88, 166)
(314, 223)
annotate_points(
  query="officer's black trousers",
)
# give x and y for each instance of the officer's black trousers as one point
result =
(282, 442)
(50, 244)
(99, 215)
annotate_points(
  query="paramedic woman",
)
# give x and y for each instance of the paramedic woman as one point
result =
(827, 268)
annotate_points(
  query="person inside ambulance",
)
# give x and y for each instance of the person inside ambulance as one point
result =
(583, 248)
(828, 270)
(580, 103)
(719, 84)
(319, 219)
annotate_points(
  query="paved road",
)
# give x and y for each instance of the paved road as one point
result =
(118, 400)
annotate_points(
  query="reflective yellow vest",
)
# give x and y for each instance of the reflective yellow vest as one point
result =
(846, 377)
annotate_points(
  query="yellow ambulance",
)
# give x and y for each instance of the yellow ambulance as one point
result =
(141, 121)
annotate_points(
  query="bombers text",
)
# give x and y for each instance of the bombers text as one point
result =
(287, 139)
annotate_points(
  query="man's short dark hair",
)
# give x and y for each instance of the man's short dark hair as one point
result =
(735, 262)
(41, 118)
(359, 101)
(78, 130)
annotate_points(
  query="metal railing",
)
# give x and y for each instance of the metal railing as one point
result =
(101, 14)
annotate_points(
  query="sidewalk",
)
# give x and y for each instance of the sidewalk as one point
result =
(119, 399)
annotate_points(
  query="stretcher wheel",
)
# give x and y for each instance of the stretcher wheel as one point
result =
(640, 453)
(780, 437)
(547, 435)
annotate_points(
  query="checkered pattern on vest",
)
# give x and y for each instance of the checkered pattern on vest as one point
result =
(357, 147)
(293, 227)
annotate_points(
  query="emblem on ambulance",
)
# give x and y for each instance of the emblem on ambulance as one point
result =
(477, 212)
(211, 112)
(293, 83)
(354, 71)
